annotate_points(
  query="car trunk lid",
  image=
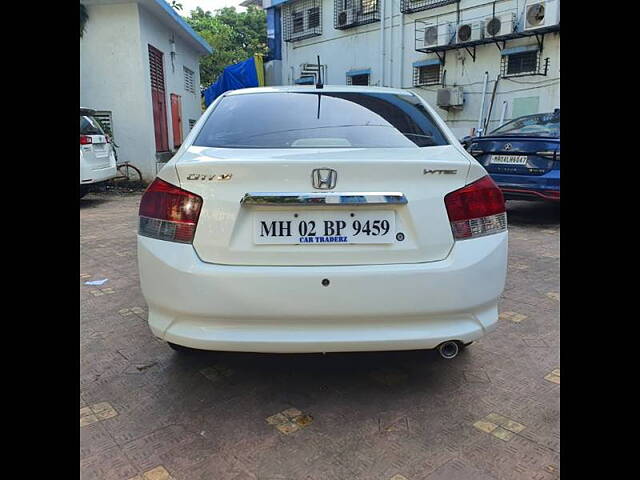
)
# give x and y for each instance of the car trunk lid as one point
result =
(373, 178)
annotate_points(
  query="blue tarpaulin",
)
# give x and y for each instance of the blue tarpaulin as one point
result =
(239, 75)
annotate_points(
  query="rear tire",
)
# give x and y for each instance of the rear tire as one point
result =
(83, 192)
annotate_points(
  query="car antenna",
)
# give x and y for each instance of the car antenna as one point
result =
(319, 82)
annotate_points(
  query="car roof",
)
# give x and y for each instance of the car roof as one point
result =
(325, 88)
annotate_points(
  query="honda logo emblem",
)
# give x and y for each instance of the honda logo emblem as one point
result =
(324, 178)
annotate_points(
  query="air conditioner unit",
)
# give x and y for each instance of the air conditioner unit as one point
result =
(438, 35)
(540, 14)
(347, 17)
(468, 32)
(450, 97)
(499, 25)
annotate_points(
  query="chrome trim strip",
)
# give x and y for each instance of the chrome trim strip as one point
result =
(338, 199)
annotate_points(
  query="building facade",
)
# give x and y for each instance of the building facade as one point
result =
(139, 68)
(449, 52)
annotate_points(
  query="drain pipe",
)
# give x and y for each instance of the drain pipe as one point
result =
(484, 93)
(382, 44)
(503, 113)
(401, 50)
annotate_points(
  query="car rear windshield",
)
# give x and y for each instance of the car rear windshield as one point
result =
(539, 125)
(320, 120)
(90, 126)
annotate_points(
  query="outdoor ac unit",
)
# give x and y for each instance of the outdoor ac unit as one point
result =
(540, 14)
(438, 35)
(450, 97)
(347, 17)
(499, 25)
(468, 32)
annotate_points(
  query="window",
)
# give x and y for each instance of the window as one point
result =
(301, 19)
(313, 17)
(104, 117)
(90, 126)
(298, 22)
(320, 120)
(189, 80)
(426, 74)
(520, 63)
(358, 77)
(409, 6)
(538, 125)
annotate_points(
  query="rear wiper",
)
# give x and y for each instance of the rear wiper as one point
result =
(430, 139)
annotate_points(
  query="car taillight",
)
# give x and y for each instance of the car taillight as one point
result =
(169, 213)
(476, 210)
(85, 140)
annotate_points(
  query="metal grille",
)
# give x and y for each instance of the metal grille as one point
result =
(351, 13)
(156, 69)
(524, 63)
(410, 6)
(362, 79)
(427, 75)
(192, 122)
(301, 19)
(104, 117)
(189, 81)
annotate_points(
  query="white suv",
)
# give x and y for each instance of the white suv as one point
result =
(302, 219)
(97, 160)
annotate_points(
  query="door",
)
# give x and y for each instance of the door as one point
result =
(176, 119)
(158, 99)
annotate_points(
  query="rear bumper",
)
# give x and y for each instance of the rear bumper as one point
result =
(98, 175)
(525, 187)
(286, 309)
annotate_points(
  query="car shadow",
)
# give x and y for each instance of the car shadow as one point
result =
(543, 214)
(90, 202)
(355, 376)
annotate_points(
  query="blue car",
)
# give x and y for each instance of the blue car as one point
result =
(522, 156)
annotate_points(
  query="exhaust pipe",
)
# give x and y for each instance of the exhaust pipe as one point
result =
(449, 349)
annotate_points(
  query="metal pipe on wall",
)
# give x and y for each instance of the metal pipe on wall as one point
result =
(401, 50)
(503, 113)
(382, 43)
(479, 131)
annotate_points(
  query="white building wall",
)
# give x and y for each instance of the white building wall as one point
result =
(154, 33)
(114, 76)
(360, 48)
(110, 78)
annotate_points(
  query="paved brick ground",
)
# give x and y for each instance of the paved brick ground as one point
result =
(145, 413)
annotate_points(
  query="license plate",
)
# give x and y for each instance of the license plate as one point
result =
(324, 227)
(509, 159)
(100, 150)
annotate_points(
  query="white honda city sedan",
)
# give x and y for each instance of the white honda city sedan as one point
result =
(305, 219)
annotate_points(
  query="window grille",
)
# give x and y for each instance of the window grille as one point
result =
(523, 63)
(301, 19)
(351, 13)
(427, 75)
(361, 79)
(189, 80)
(410, 6)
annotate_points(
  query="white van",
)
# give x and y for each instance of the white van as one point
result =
(97, 159)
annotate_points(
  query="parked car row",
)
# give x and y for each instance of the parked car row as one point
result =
(522, 156)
